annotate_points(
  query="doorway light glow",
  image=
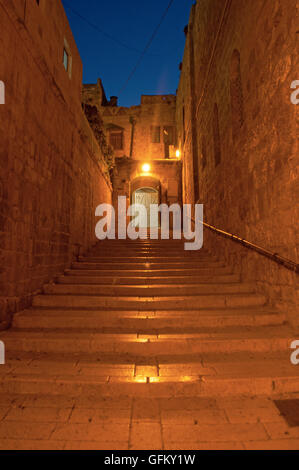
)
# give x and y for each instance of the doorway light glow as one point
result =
(178, 154)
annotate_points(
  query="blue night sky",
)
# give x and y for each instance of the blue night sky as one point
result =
(131, 23)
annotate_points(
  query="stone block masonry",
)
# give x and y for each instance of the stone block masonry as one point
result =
(238, 130)
(145, 132)
(52, 172)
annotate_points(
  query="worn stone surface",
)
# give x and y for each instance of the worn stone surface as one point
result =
(242, 57)
(52, 173)
(156, 366)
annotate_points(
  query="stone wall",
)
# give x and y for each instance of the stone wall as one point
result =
(94, 94)
(52, 173)
(184, 119)
(240, 60)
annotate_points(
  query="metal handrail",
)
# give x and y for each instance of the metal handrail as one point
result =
(287, 263)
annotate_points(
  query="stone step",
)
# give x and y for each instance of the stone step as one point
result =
(128, 273)
(167, 387)
(143, 280)
(159, 255)
(164, 247)
(150, 303)
(149, 243)
(120, 265)
(144, 256)
(136, 244)
(161, 259)
(147, 321)
(147, 291)
(221, 340)
(245, 375)
(145, 253)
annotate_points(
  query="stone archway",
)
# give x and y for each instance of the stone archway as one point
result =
(149, 182)
(146, 197)
(145, 190)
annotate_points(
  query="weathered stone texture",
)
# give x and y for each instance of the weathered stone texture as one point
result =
(154, 111)
(253, 191)
(52, 174)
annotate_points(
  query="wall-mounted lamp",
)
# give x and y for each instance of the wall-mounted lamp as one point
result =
(146, 168)
(178, 154)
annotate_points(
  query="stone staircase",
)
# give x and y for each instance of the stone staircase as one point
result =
(148, 320)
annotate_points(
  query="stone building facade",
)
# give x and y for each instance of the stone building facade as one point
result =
(238, 133)
(144, 134)
(52, 171)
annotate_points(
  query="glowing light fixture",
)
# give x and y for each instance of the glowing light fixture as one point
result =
(146, 168)
(177, 154)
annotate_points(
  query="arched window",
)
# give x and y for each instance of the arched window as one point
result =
(236, 93)
(217, 143)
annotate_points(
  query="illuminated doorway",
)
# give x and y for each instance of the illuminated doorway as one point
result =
(146, 197)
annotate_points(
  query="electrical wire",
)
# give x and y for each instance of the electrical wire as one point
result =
(101, 31)
(146, 48)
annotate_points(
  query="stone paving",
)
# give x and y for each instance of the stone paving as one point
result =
(144, 346)
(59, 422)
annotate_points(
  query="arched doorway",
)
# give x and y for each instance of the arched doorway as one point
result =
(146, 190)
(146, 197)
